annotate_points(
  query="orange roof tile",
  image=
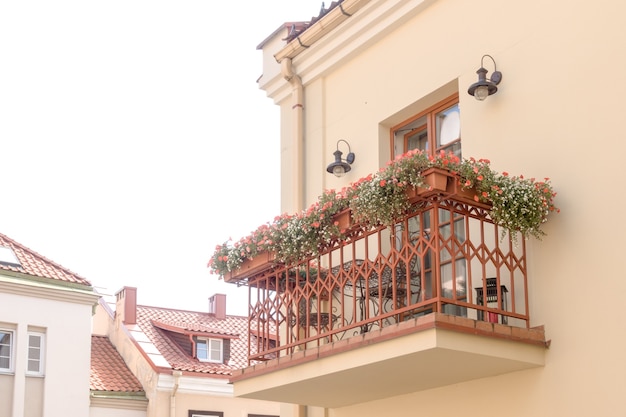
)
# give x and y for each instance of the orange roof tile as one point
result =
(34, 264)
(191, 328)
(163, 328)
(108, 370)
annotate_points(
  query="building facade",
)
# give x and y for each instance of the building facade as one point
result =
(183, 359)
(115, 391)
(45, 330)
(389, 76)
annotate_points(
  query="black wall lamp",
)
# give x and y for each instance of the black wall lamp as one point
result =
(341, 166)
(485, 86)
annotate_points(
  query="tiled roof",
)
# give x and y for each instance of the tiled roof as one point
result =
(34, 264)
(157, 330)
(297, 28)
(108, 370)
(191, 328)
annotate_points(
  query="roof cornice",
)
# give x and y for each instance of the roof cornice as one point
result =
(118, 400)
(58, 291)
(327, 23)
(194, 384)
(326, 50)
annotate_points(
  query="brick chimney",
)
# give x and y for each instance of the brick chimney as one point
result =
(126, 305)
(217, 305)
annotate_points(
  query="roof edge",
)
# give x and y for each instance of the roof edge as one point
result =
(48, 288)
(333, 18)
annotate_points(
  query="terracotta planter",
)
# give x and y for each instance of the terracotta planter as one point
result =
(436, 179)
(458, 192)
(261, 262)
(343, 219)
(441, 181)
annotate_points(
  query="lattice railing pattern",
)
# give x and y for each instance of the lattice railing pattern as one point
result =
(444, 256)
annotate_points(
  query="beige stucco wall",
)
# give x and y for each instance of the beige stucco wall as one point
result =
(116, 406)
(557, 114)
(229, 405)
(114, 412)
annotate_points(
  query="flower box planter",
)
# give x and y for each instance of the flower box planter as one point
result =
(460, 193)
(380, 199)
(250, 266)
(437, 180)
(343, 220)
(441, 181)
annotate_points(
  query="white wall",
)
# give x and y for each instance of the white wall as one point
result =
(67, 327)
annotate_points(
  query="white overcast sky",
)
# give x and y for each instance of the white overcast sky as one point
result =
(134, 137)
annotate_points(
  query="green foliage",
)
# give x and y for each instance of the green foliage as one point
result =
(518, 204)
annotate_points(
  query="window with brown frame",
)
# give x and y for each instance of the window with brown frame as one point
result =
(200, 413)
(435, 129)
(261, 415)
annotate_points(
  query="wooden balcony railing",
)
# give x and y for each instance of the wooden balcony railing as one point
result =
(446, 255)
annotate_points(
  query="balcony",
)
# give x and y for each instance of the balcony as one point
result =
(439, 297)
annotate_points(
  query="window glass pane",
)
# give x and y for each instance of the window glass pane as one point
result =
(448, 125)
(201, 349)
(459, 230)
(461, 280)
(412, 136)
(33, 366)
(444, 215)
(5, 349)
(418, 140)
(446, 280)
(454, 148)
(428, 285)
(216, 350)
(433, 131)
(35, 353)
(34, 341)
(458, 287)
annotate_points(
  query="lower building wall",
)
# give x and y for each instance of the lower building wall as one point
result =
(117, 409)
(6, 394)
(229, 405)
(115, 412)
(537, 392)
(33, 398)
(64, 387)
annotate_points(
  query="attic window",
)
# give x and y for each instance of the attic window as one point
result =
(210, 350)
(8, 257)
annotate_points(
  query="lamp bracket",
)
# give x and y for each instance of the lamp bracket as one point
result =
(496, 76)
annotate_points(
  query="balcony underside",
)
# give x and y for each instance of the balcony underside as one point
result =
(423, 353)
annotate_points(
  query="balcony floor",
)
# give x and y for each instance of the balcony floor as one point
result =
(396, 360)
